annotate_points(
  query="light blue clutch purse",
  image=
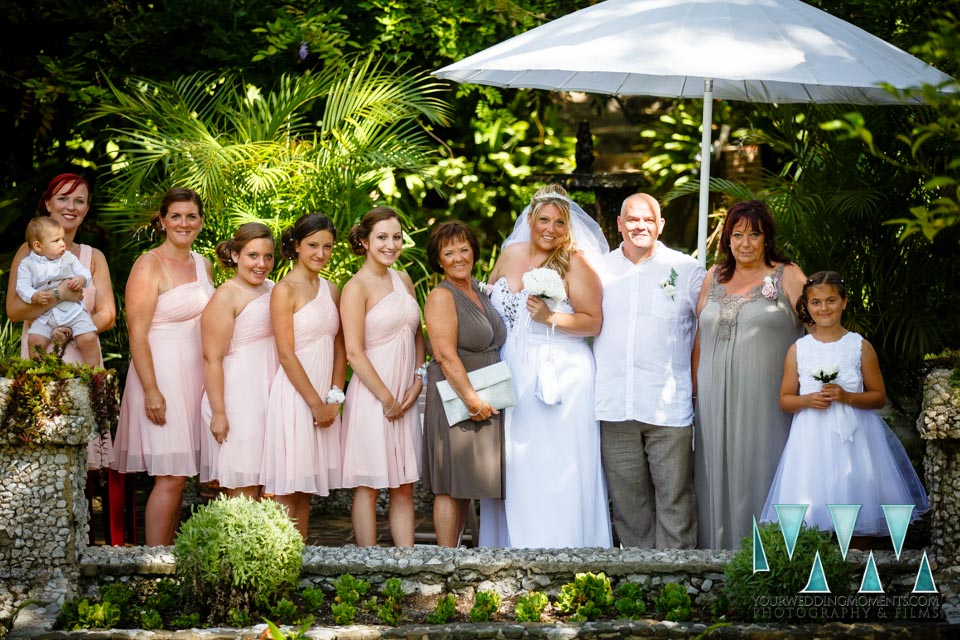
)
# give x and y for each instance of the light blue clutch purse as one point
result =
(493, 385)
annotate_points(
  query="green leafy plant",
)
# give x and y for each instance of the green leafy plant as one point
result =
(186, 621)
(588, 597)
(312, 599)
(239, 618)
(445, 609)
(123, 596)
(275, 633)
(786, 577)
(391, 611)
(150, 619)
(166, 597)
(286, 612)
(349, 592)
(674, 602)
(485, 605)
(36, 390)
(530, 607)
(237, 552)
(629, 601)
(84, 614)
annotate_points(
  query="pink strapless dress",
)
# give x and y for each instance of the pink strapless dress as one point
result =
(174, 448)
(299, 457)
(377, 452)
(99, 449)
(249, 367)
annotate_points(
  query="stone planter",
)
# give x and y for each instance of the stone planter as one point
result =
(939, 426)
(43, 510)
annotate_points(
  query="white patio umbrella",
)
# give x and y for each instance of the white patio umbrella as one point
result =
(754, 50)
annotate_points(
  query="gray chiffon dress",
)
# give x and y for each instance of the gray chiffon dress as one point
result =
(740, 429)
(465, 460)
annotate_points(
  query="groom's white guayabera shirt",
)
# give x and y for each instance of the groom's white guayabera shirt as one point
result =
(643, 351)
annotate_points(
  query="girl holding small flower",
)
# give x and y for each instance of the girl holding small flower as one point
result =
(839, 450)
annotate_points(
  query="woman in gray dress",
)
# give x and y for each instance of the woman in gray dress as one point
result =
(464, 460)
(747, 323)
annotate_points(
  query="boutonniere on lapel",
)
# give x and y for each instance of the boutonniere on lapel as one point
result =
(669, 285)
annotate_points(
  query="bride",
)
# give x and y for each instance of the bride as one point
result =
(554, 492)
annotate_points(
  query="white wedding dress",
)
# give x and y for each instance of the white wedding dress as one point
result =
(554, 490)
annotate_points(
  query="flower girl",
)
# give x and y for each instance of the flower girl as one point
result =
(839, 451)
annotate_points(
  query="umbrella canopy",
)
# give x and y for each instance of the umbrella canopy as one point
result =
(751, 50)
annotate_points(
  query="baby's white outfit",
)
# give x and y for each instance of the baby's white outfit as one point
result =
(37, 273)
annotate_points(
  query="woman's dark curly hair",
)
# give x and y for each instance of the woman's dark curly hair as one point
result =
(362, 230)
(759, 219)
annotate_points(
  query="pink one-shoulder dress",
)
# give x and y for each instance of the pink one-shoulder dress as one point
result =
(172, 449)
(249, 367)
(377, 452)
(299, 457)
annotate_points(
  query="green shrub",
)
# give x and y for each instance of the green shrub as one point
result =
(150, 619)
(446, 608)
(83, 614)
(285, 612)
(485, 605)
(391, 611)
(312, 599)
(166, 597)
(530, 607)
(349, 591)
(786, 577)
(629, 602)
(234, 553)
(674, 602)
(122, 596)
(588, 597)
(186, 621)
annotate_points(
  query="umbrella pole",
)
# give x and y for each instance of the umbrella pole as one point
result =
(705, 172)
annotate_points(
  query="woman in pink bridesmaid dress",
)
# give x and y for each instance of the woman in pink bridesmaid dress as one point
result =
(159, 427)
(301, 453)
(240, 361)
(381, 422)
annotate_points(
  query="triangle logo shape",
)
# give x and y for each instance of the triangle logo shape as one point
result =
(871, 579)
(844, 517)
(924, 582)
(817, 582)
(790, 517)
(898, 519)
(759, 554)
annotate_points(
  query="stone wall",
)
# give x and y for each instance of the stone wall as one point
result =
(939, 426)
(43, 511)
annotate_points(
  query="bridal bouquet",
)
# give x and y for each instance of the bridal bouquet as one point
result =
(545, 283)
(827, 375)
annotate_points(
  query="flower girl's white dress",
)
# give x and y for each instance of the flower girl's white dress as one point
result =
(841, 455)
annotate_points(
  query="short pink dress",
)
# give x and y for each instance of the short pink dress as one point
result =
(249, 367)
(99, 449)
(174, 448)
(377, 452)
(299, 457)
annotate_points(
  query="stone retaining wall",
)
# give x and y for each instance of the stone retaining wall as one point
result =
(939, 426)
(43, 511)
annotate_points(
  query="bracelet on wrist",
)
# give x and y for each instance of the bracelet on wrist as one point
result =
(477, 412)
(421, 372)
(56, 293)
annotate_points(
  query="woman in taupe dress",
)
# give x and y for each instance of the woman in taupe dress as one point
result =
(462, 461)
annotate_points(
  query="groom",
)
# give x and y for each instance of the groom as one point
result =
(644, 386)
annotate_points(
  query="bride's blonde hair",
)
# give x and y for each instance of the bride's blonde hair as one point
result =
(559, 258)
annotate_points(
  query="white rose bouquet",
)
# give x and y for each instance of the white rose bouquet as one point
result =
(545, 283)
(827, 375)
